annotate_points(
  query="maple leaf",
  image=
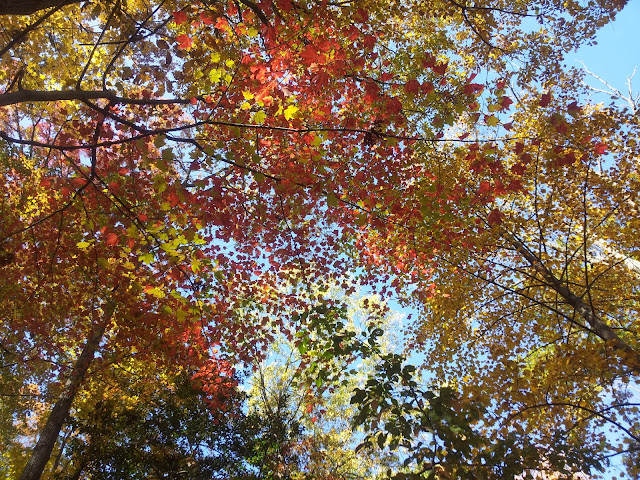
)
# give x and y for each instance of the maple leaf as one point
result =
(473, 88)
(600, 148)
(184, 41)
(179, 17)
(311, 55)
(412, 86)
(206, 18)
(440, 68)
(361, 16)
(495, 217)
(545, 100)
(111, 239)
(290, 111)
(505, 102)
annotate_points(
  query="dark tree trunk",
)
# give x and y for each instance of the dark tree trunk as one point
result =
(27, 7)
(42, 451)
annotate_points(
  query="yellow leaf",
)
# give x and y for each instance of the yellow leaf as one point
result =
(290, 111)
(259, 117)
(215, 75)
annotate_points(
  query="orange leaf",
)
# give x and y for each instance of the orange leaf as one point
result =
(112, 239)
(184, 41)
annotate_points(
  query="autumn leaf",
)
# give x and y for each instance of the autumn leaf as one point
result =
(179, 17)
(290, 112)
(545, 100)
(184, 41)
(412, 86)
(111, 239)
(495, 217)
(600, 148)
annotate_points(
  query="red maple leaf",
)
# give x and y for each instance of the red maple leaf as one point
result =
(412, 86)
(505, 102)
(184, 41)
(179, 17)
(544, 101)
(111, 239)
(206, 19)
(440, 68)
(495, 217)
(600, 148)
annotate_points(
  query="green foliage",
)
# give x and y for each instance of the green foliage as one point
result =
(170, 434)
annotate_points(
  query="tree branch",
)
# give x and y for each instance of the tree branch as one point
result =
(27, 7)
(34, 96)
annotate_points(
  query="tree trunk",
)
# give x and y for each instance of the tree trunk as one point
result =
(42, 451)
(630, 356)
(27, 7)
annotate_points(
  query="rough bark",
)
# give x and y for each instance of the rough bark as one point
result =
(42, 451)
(27, 7)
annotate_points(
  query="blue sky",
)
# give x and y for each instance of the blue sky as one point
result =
(617, 51)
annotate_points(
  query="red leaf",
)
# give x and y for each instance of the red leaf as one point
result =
(573, 108)
(310, 55)
(427, 88)
(412, 86)
(518, 169)
(206, 19)
(221, 24)
(600, 148)
(394, 106)
(369, 41)
(473, 88)
(184, 41)
(544, 101)
(505, 102)
(111, 239)
(79, 182)
(569, 158)
(515, 186)
(179, 17)
(440, 68)
(495, 217)
(429, 61)
(361, 16)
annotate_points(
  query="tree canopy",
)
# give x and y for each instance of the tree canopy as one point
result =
(189, 182)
